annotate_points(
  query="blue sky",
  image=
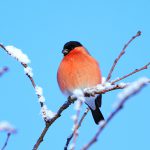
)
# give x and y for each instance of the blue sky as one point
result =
(40, 29)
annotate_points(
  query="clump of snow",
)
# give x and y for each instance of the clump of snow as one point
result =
(132, 88)
(77, 105)
(28, 71)
(46, 113)
(102, 123)
(18, 54)
(103, 80)
(78, 93)
(42, 99)
(71, 146)
(39, 90)
(122, 84)
(74, 117)
(6, 126)
(100, 87)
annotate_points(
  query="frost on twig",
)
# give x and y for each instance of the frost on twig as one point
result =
(9, 129)
(17, 54)
(78, 125)
(127, 92)
(78, 93)
(133, 88)
(45, 112)
(28, 71)
(51, 117)
(24, 60)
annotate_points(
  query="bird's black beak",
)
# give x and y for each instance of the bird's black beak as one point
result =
(65, 51)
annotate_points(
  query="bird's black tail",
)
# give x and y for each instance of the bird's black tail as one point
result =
(97, 115)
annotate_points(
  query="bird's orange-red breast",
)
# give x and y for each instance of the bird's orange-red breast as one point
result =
(79, 70)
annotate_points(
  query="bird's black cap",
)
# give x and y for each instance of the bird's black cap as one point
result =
(70, 46)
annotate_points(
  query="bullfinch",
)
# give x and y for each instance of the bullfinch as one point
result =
(79, 70)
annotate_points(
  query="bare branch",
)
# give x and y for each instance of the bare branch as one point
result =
(135, 71)
(79, 124)
(121, 54)
(118, 108)
(6, 142)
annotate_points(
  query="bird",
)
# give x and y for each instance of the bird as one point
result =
(79, 70)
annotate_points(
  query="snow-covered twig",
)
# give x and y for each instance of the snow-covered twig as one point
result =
(128, 92)
(122, 53)
(89, 91)
(24, 60)
(3, 70)
(77, 127)
(7, 127)
(100, 89)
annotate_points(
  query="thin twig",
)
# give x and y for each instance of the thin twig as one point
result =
(6, 142)
(65, 106)
(121, 53)
(112, 115)
(70, 100)
(79, 124)
(76, 125)
(50, 122)
(135, 71)
(116, 87)
(24, 66)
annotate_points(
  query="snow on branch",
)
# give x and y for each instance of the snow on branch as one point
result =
(77, 127)
(133, 88)
(105, 87)
(17, 54)
(24, 60)
(127, 92)
(9, 129)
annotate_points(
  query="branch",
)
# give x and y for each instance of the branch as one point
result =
(135, 71)
(121, 54)
(9, 129)
(77, 127)
(87, 92)
(50, 122)
(24, 60)
(6, 142)
(23, 64)
(67, 104)
(128, 92)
